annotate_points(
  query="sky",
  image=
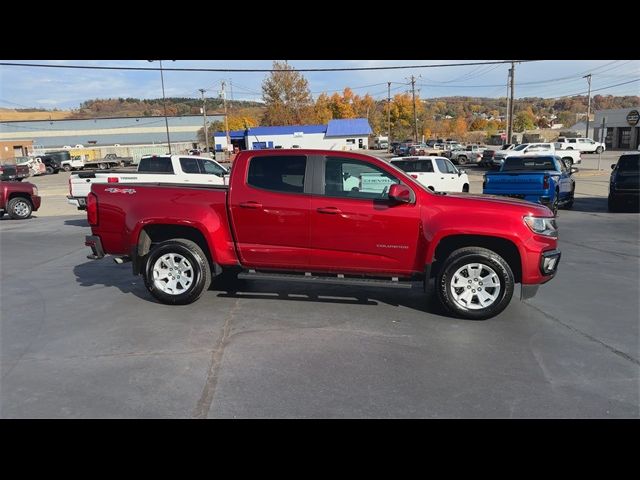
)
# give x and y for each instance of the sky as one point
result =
(25, 87)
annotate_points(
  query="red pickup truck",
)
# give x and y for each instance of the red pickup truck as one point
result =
(325, 217)
(18, 199)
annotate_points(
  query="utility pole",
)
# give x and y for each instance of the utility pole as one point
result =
(204, 117)
(512, 72)
(164, 102)
(586, 133)
(226, 120)
(506, 116)
(415, 116)
(389, 113)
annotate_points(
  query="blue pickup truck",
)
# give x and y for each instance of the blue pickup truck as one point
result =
(541, 179)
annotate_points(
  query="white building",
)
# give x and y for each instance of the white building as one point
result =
(344, 134)
(621, 128)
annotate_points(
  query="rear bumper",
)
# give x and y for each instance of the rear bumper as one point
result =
(93, 241)
(79, 202)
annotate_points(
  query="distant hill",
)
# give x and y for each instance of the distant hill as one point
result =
(32, 114)
(441, 106)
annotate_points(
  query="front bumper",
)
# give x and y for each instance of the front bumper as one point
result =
(95, 243)
(36, 201)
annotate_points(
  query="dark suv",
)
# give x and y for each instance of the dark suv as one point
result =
(53, 163)
(624, 187)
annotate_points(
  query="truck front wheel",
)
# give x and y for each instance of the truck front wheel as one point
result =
(177, 272)
(475, 283)
(19, 208)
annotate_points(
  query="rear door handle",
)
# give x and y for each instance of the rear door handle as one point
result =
(329, 210)
(251, 205)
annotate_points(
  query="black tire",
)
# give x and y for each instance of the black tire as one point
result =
(49, 170)
(201, 271)
(556, 202)
(67, 168)
(470, 255)
(569, 148)
(599, 150)
(612, 204)
(461, 160)
(19, 208)
(569, 205)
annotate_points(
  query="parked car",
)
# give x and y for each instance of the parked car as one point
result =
(18, 199)
(110, 160)
(151, 169)
(325, 216)
(402, 149)
(436, 173)
(470, 154)
(584, 145)
(569, 157)
(543, 179)
(74, 163)
(422, 149)
(487, 155)
(14, 169)
(624, 184)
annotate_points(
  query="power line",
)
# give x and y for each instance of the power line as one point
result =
(331, 69)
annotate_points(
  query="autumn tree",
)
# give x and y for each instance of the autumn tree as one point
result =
(322, 109)
(459, 128)
(524, 120)
(286, 96)
(478, 123)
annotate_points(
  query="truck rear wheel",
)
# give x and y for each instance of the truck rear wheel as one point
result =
(475, 283)
(177, 272)
(599, 150)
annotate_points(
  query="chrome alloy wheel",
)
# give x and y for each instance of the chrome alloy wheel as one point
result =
(475, 286)
(21, 208)
(173, 274)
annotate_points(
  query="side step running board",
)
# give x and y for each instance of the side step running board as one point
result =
(337, 280)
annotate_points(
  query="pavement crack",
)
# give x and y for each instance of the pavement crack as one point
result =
(586, 335)
(600, 249)
(206, 397)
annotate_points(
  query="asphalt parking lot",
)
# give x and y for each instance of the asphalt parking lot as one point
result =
(84, 339)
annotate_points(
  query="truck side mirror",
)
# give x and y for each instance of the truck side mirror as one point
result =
(400, 193)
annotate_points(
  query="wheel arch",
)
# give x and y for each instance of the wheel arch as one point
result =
(159, 232)
(506, 248)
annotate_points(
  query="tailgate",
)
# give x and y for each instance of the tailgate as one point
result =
(514, 183)
(81, 184)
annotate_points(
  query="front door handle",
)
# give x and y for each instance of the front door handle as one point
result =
(329, 210)
(251, 205)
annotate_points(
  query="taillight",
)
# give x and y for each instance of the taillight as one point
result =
(112, 180)
(545, 182)
(92, 209)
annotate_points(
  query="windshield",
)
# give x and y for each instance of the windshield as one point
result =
(629, 163)
(538, 163)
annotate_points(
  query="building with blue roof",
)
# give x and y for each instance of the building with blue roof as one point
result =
(342, 134)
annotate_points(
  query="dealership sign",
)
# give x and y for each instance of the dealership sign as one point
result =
(633, 117)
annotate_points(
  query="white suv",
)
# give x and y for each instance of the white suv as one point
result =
(435, 173)
(585, 145)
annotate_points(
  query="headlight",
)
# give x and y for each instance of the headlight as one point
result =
(35, 191)
(542, 225)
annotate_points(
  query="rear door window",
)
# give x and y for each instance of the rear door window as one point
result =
(189, 165)
(156, 165)
(278, 173)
